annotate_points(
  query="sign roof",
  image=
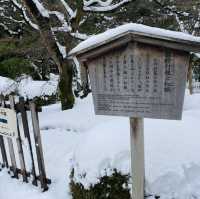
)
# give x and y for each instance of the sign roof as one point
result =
(191, 43)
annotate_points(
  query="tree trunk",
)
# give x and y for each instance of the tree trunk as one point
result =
(64, 66)
(65, 86)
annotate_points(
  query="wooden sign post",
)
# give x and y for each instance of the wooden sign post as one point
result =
(137, 157)
(138, 73)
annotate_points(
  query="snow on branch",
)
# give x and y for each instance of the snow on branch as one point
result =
(181, 24)
(99, 2)
(101, 8)
(10, 18)
(62, 49)
(43, 11)
(172, 11)
(11, 32)
(80, 36)
(71, 13)
(23, 10)
(197, 24)
(65, 26)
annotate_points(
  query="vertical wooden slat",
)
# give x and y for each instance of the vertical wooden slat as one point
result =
(2, 144)
(12, 157)
(3, 152)
(19, 145)
(27, 135)
(137, 157)
(38, 145)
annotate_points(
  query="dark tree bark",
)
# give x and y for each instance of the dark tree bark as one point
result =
(65, 85)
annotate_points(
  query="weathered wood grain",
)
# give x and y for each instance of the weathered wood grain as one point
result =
(38, 146)
(139, 81)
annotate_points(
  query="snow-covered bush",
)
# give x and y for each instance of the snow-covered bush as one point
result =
(43, 92)
(114, 186)
(46, 100)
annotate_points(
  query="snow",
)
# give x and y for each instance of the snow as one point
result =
(102, 38)
(89, 143)
(44, 12)
(33, 25)
(198, 55)
(7, 85)
(7, 29)
(60, 16)
(28, 88)
(196, 87)
(62, 49)
(103, 6)
(101, 3)
(71, 13)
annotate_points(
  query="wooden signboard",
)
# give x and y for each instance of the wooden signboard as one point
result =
(139, 81)
(8, 122)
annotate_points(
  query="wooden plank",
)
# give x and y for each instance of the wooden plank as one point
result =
(137, 157)
(38, 145)
(27, 135)
(19, 145)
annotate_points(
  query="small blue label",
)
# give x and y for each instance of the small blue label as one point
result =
(4, 121)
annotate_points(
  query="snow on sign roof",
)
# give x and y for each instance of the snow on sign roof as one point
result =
(137, 29)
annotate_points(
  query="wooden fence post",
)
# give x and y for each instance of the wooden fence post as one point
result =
(38, 145)
(27, 135)
(137, 157)
(19, 144)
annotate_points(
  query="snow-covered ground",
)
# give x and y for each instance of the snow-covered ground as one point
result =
(77, 138)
